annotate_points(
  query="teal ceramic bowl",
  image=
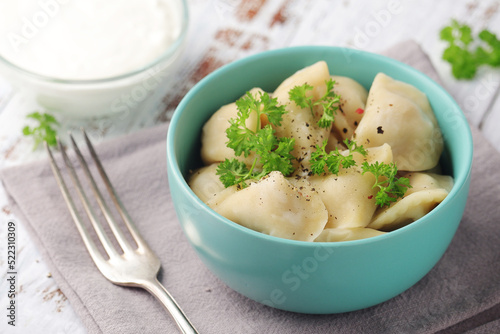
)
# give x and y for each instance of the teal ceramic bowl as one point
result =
(301, 276)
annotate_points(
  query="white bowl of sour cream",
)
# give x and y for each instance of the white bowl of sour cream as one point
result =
(91, 57)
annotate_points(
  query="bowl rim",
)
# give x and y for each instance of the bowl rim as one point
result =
(173, 166)
(151, 64)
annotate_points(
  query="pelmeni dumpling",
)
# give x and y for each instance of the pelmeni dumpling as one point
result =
(351, 107)
(428, 190)
(346, 234)
(399, 114)
(349, 196)
(214, 138)
(315, 75)
(205, 183)
(276, 207)
(300, 123)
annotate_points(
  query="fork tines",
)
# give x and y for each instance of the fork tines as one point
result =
(125, 245)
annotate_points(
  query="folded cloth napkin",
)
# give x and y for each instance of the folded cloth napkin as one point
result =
(461, 293)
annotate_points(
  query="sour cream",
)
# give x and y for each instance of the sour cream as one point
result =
(87, 39)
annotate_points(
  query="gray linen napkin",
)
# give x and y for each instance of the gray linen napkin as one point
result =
(461, 293)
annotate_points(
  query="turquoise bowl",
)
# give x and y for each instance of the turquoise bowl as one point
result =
(307, 277)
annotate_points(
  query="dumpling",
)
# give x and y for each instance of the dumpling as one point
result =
(399, 114)
(214, 138)
(350, 197)
(351, 107)
(300, 123)
(428, 190)
(315, 75)
(345, 234)
(276, 207)
(205, 182)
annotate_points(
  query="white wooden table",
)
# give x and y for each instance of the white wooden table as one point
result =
(222, 31)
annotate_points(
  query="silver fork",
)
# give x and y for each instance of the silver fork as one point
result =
(134, 266)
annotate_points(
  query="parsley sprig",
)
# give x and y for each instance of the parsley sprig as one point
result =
(390, 186)
(466, 53)
(271, 152)
(329, 101)
(333, 160)
(44, 131)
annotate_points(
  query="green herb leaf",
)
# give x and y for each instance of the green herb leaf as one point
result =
(299, 94)
(272, 152)
(232, 171)
(464, 59)
(333, 160)
(492, 57)
(390, 186)
(44, 131)
(352, 146)
(329, 101)
(278, 157)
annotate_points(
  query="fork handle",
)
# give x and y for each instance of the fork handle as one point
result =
(158, 290)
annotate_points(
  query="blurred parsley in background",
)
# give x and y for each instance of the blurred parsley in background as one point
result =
(466, 53)
(44, 131)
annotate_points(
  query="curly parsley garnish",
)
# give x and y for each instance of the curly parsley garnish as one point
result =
(333, 160)
(390, 186)
(329, 101)
(272, 152)
(44, 131)
(466, 53)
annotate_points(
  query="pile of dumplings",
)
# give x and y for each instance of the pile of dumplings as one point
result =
(393, 121)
